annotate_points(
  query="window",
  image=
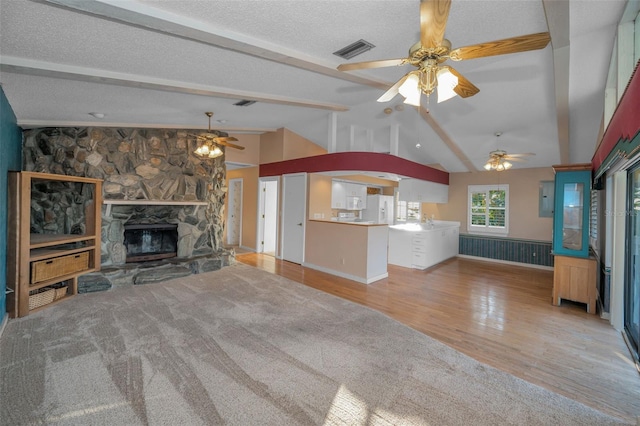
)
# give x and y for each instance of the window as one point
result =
(408, 211)
(593, 221)
(488, 209)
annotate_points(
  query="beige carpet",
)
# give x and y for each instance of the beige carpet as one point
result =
(244, 347)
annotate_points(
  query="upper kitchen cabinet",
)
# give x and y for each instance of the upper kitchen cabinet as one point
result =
(338, 194)
(423, 191)
(571, 212)
(348, 195)
(359, 191)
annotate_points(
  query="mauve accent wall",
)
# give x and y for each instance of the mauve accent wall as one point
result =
(10, 159)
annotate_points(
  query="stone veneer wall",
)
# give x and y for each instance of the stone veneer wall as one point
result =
(139, 164)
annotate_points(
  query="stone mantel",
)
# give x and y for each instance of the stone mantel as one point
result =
(110, 203)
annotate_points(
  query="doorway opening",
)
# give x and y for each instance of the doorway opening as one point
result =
(234, 217)
(632, 279)
(268, 216)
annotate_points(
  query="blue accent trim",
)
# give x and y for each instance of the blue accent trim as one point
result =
(560, 215)
(10, 159)
(508, 249)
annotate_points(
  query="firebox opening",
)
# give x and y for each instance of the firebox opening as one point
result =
(150, 241)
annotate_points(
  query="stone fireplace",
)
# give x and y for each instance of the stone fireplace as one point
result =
(151, 176)
(190, 222)
(150, 241)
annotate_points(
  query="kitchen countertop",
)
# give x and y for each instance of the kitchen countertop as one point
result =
(418, 227)
(363, 223)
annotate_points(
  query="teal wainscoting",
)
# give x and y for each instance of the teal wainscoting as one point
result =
(509, 249)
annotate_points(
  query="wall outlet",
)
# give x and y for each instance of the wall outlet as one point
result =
(343, 261)
(317, 215)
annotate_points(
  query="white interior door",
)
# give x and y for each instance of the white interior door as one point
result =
(234, 216)
(268, 216)
(270, 235)
(294, 208)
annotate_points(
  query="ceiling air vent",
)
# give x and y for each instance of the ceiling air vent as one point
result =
(354, 49)
(244, 102)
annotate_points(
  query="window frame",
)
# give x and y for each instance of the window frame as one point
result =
(487, 229)
(403, 206)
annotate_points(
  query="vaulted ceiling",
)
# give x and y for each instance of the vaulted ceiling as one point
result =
(163, 63)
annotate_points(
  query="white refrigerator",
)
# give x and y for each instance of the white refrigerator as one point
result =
(379, 209)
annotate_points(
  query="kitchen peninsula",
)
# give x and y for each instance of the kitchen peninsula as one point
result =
(422, 245)
(353, 250)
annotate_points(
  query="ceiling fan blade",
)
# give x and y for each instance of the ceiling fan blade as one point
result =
(223, 141)
(433, 20)
(465, 88)
(371, 64)
(393, 90)
(525, 154)
(501, 47)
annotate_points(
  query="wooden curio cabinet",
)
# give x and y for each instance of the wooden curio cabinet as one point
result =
(574, 276)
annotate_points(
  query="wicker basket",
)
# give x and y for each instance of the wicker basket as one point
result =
(42, 297)
(60, 292)
(43, 270)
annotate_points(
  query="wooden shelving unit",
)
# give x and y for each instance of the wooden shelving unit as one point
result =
(61, 256)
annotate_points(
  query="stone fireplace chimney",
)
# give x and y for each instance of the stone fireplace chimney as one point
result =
(151, 176)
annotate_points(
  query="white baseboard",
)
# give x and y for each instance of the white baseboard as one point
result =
(506, 262)
(344, 275)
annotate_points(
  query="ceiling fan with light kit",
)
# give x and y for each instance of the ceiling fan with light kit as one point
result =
(499, 160)
(209, 143)
(429, 54)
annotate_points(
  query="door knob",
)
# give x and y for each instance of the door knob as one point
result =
(300, 224)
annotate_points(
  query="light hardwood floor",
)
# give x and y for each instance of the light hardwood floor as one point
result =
(500, 315)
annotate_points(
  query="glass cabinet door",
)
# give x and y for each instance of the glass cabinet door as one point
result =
(572, 226)
(571, 214)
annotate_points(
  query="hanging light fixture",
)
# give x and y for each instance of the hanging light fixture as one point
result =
(498, 164)
(429, 78)
(208, 148)
(497, 159)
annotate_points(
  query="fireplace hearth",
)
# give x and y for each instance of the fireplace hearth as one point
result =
(150, 241)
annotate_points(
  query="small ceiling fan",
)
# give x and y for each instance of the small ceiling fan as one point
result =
(208, 142)
(433, 50)
(499, 160)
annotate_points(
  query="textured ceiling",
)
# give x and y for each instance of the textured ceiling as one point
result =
(163, 63)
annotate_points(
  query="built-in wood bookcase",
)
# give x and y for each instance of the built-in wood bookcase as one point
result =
(39, 261)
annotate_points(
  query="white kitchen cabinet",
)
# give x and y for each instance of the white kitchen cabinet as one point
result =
(342, 190)
(423, 191)
(338, 195)
(400, 248)
(422, 246)
(405, 190)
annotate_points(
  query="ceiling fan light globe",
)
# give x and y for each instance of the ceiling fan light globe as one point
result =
(410, 86)
(414, 99)
(507, 165)
(488, 166)
(446, 83)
